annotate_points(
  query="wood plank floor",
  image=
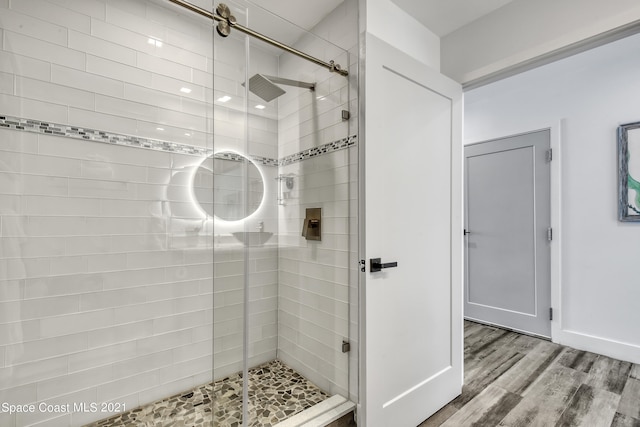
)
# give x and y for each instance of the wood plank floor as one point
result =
(517, 380)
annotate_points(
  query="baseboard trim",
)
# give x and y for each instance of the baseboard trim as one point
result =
(607, 347)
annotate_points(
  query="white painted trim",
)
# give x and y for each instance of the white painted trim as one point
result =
(362, 135)
(321, 413)
(555, 134)
(555, 137)
(482, 77)
(611, 348)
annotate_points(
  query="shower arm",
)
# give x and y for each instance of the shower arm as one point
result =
(289, 82)
(226, 21)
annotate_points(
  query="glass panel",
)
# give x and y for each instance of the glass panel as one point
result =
(296, 291)
(313, 217)
(230, 195)
(106, 265)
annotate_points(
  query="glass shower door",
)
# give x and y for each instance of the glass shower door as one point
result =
(105, 262)
(232, 172)
(282, 269)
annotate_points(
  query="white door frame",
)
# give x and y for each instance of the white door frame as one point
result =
(555, 135)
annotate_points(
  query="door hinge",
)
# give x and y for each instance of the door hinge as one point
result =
(549, 154)
(346, 346)
(550, 313)
(549, 234)
(363, 265)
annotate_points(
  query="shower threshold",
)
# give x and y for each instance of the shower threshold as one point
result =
(277, 393)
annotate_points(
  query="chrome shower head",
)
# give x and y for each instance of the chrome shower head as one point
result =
(265, 86)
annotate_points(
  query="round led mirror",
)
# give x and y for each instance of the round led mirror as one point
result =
(229, 186)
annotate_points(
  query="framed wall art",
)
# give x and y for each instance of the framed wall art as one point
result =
(629, 172)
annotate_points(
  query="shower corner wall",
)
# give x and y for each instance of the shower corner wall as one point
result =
(321, 275)
(315, 281)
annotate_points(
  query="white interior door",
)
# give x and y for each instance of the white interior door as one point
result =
(508, 215)
(413, 205)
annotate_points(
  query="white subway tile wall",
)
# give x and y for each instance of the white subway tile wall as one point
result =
(313, 294)
(106, 271)
(95, 301)
(318, 279)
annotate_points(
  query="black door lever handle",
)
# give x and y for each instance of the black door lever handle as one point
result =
(375, 264)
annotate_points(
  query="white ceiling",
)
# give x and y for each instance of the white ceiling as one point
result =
(304, 13)
(439, 16)
(445, 16)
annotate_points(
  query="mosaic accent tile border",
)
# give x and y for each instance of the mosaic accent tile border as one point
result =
(227, 155)
(265, 161)
(276, 392)
(235, 157)
(341, 144)
(76, 132)
(48, 128)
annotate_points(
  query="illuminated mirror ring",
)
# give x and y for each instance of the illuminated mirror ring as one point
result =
(220, 184)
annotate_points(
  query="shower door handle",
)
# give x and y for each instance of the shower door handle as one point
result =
(375, 265)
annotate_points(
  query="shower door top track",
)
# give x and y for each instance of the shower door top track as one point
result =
(226, 21)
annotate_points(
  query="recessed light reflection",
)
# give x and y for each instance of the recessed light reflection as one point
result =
(159, 128)
(224, 98)
(155, 42)
(185, 90)
(187, 134)
(260, 107)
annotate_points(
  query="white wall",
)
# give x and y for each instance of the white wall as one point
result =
(524, 30)
(388, 22)
(591, 93)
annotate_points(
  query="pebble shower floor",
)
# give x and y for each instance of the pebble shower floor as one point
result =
(276, 392)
